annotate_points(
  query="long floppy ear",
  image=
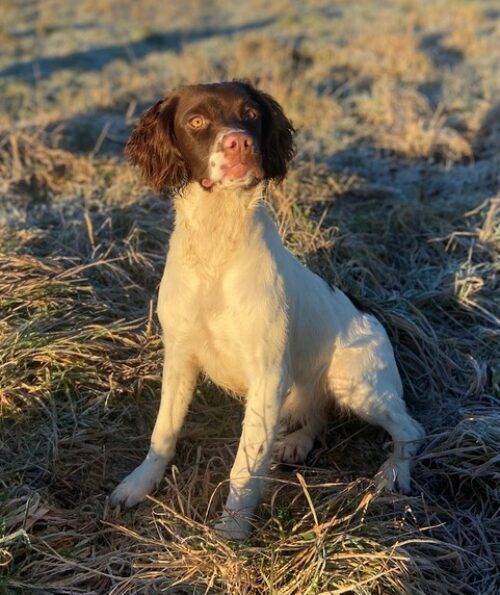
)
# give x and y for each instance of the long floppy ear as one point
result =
(278, 147)
(152, 147)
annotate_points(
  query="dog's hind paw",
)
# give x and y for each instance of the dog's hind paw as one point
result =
(394, 476)
(294, 448)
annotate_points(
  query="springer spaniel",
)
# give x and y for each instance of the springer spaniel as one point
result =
(235, 304)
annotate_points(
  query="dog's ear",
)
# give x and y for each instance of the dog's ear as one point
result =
(278, 147)
(152, 147)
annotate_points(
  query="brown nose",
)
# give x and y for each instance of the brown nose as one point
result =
(237, 142)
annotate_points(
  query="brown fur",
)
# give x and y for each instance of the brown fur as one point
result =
(152, 147)
(278, 148)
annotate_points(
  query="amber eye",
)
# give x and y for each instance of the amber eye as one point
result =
(197, 122)
(251, 113)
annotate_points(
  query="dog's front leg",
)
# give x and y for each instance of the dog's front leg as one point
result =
(252, 459)
(179, 377)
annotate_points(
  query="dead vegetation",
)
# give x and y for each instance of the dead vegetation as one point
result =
(393, 197)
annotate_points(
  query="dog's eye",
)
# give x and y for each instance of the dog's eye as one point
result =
(251, 114)
(197, 122)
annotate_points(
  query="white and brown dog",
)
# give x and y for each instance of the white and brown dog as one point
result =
(236, 305)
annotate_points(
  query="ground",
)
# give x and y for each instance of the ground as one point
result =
(393, 196)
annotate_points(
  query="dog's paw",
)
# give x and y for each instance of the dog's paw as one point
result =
(394, 476)
(136, 486)
(294, 448)
(233, 527)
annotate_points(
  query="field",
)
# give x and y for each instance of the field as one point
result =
(393, 196)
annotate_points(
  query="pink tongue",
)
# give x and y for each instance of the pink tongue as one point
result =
(206, 183)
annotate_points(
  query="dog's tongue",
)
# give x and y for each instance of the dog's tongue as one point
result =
(206, 183)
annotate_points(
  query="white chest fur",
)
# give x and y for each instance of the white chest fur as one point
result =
(222, 290)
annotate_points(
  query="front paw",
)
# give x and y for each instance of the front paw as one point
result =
(141, 482)
(233, 526)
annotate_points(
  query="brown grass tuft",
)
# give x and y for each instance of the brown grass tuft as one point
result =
(393, 54)
(404, 123)
(33, 168)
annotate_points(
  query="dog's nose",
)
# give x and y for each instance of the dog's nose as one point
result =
(237, 142)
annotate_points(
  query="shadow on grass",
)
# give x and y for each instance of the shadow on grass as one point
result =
(95, 59)
(441, 55)
(443, 58)
(102, 132)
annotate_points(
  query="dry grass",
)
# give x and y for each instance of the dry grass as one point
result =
(393, 197)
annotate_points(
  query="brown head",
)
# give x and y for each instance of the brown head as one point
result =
(223, 133)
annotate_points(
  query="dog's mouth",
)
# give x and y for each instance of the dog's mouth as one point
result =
(237, 171)
(238, 174)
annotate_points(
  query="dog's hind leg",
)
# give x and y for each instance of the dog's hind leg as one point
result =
(407, 435)
(377, 399)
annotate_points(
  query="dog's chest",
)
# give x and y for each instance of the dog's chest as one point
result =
(229, 332)
(218, 320)
(230, 324)
(225, 300)
(223, 362)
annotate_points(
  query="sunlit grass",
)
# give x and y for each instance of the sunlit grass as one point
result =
(393, 197)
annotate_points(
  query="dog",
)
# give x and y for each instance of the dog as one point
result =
(234, 304)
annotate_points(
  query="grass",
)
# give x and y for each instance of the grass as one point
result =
(393, 197)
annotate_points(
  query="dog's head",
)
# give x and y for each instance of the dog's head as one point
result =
(215, 134)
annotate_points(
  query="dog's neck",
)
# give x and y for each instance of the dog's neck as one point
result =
(213, 224)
